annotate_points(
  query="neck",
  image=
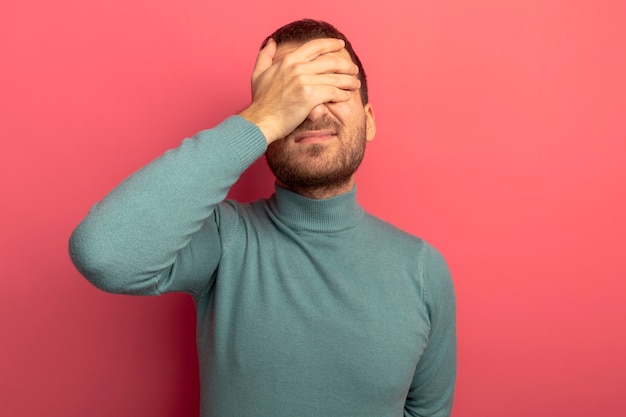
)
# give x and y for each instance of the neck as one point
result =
(325, 215)
(320, 192)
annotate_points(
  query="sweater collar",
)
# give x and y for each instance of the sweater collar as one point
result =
(316, 215)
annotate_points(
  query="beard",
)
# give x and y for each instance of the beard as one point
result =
(310, 167)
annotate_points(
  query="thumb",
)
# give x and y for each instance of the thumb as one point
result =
(265, 58)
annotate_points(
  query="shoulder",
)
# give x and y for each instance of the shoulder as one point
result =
(231, 215)
(388, 234)
(426, 259)
(232, 210)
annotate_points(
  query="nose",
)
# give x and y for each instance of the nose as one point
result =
(317, 113)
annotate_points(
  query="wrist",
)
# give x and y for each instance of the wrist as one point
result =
(267, 128)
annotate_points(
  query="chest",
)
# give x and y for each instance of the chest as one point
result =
(351, 321)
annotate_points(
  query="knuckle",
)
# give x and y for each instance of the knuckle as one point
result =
(296, 68)
(307, 90)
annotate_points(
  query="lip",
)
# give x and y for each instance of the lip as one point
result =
(314, 136)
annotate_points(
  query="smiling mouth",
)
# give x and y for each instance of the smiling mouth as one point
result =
(314, 136)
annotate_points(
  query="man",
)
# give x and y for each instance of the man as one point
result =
(306, 304)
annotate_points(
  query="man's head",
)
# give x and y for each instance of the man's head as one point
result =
(305, 30)
(320, 156)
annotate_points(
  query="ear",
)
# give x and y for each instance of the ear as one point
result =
(370, 123)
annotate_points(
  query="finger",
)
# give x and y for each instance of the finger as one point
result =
(341, 81)
(316, 47)
(331, 63)
(265, 58)
(325, 88)
(328, 94)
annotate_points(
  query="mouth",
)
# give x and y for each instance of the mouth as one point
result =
(314, 136)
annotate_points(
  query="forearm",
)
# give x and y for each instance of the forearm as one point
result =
(138, 229)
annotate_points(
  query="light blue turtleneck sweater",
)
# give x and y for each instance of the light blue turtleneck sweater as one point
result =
(305, 307)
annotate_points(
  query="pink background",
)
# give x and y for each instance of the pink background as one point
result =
(501, 140)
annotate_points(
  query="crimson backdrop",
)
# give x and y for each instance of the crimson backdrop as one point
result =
(501, 140)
